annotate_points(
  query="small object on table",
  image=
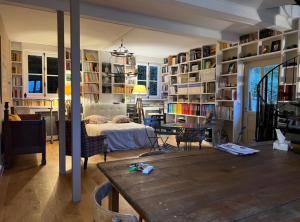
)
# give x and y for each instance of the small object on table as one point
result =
(145, 168)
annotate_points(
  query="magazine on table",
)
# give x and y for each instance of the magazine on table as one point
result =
(236, 149)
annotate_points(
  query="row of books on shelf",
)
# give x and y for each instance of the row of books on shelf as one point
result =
(16, 68)
(184, 68)
(119, 69)
(226, 82)
(17, 93)
(195, 54)
(227, 94)
(91, 67)
(91, 56)
(190, 109)
(196, 67)
(17, 81)
(164, 88)
(118, 89)
(165, 69)
(224, 112)
(207, 75)
(91, 77)
(36, 102)
(16, 56)
(128, 60)
(286, 92)
(91, 88)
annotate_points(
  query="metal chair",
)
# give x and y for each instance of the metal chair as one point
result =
(190, 135)
(103, 215)
(153, 122)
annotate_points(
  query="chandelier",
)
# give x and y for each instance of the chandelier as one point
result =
(126, 61)
(121, 51)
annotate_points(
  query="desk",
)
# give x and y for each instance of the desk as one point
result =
(211, 185)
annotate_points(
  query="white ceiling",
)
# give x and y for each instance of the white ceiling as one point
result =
(149, 27)
(35, 26)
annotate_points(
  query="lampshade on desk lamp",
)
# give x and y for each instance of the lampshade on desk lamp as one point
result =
(139, 90)
(68, 100)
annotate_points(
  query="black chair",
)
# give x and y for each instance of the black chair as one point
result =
(90, 145)
(190, 135)
(154, 122)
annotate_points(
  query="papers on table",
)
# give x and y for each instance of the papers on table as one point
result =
(236, 149)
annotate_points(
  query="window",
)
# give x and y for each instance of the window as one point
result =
(42, 73)
(148, 76)
(153, 80)
(35, 74)
(52, 75)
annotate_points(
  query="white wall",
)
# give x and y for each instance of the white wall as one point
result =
(6, 73)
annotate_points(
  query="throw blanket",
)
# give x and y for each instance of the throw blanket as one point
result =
(122, 136)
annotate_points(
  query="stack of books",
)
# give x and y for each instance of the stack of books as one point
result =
(236, 149)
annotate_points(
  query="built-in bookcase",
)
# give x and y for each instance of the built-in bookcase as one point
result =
(118, 77)
(91, 76)
(264, 44)
(190, 78)
(211, 78)
(17, 77)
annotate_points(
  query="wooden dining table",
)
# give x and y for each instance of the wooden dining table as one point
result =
(210, 185)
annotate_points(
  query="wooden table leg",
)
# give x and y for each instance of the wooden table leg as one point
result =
(114, 200)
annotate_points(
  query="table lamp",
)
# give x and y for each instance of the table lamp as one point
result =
(68, 91)
(139, 90)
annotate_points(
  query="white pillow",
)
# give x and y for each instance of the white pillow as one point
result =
(120, 119)
(95, 119)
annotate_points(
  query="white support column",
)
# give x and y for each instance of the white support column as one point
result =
(61, 90)
(76, 121)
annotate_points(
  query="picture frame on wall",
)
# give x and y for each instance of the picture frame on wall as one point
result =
(276, 46)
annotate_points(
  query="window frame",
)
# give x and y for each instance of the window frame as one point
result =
(44, 94)
(157, 96)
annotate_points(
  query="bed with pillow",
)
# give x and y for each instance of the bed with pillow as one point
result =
(110, 120)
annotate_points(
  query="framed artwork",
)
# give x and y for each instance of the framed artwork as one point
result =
(276, 46)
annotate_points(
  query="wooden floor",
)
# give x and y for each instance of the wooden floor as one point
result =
(30, 192)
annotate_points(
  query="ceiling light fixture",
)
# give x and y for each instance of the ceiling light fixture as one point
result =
(122, 51)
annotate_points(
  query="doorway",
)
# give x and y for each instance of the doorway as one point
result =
(254, 71)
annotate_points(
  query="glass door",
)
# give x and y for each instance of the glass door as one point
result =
(253, 74)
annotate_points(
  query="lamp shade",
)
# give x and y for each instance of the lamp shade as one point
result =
(139, 90)
(68, 89)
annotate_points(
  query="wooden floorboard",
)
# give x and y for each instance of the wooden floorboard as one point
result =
(30, 192)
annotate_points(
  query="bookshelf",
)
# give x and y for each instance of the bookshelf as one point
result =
(211, 78)
(17, 77)
(118, 77)
(261, 45)
(90, 76)
(190, 80)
